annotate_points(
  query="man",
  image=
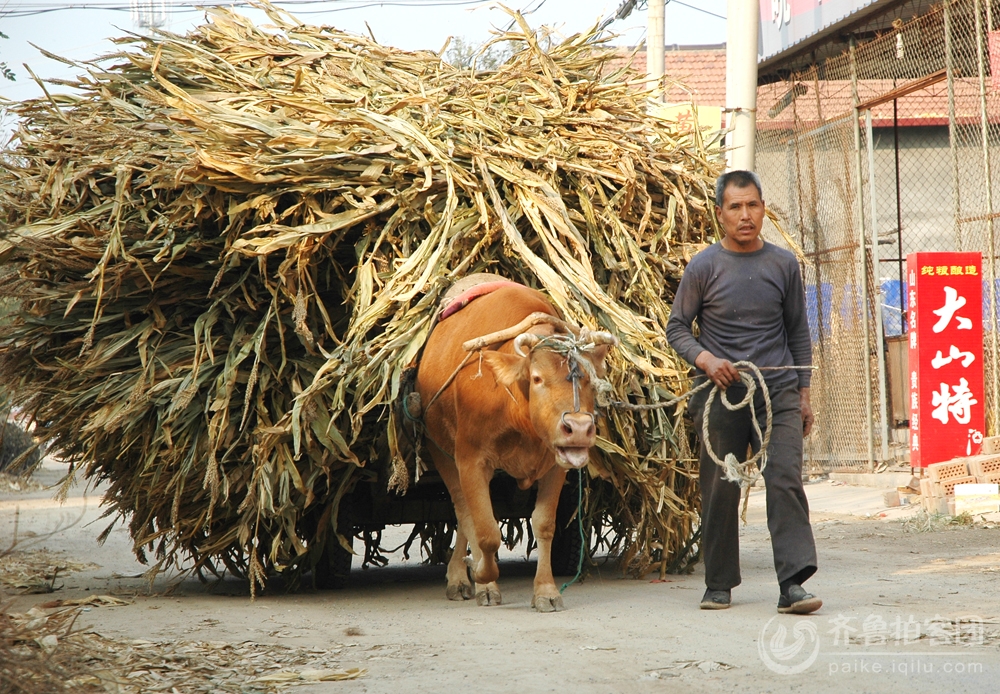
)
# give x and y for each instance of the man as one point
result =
(747, 297)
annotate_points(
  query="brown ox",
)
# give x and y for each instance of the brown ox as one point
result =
(515, 411)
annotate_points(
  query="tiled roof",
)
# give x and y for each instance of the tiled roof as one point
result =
(701, 72)
(929, 106)
(699, 75)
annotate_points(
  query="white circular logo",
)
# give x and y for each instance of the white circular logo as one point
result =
(788, 658)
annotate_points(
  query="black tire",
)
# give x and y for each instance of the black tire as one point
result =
(567, 545)
(14, 442)
(333, 570)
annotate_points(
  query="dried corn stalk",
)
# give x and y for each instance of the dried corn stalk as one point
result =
(45, 652)
(229, 245)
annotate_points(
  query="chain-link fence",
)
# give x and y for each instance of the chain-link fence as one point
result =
(890, 148)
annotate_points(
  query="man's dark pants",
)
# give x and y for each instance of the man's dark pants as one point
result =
(787, 507)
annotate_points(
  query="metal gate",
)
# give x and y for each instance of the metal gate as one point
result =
(888, 149)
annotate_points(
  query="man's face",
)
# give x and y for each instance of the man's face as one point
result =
(741, 216)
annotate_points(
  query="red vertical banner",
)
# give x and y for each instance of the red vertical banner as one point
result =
(945, 317)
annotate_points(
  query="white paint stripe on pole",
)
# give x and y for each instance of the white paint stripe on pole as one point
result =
(655, 42)
(742, 27)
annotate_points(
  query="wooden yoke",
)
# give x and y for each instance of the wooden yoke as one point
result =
(510, 333)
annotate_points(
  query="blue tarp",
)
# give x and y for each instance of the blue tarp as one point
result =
(812, 308)
(892, 316)
(848, 302)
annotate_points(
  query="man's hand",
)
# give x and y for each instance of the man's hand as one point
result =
(721, 371)
(807, 411)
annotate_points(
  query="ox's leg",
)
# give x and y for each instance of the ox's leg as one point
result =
(459, 585)
(485, 536)
(543, 525)
(457, 576)
(486, 593)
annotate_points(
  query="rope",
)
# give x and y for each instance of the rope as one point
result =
(743, 474)
(631, 407)
(572, 347)
(583, 539)
(746, 473)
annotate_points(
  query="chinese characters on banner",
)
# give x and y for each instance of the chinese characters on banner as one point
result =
(945, 317)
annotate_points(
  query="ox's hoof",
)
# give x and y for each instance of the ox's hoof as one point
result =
(488, 596)
(544, 603)
(485, 573)
(460, 591)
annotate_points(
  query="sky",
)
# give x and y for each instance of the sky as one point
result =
(80, 30)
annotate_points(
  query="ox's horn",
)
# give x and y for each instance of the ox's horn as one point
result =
(598, 337)
(524, 343)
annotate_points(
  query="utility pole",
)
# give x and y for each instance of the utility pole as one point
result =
(149, 14)
(742, 25)
(655, 43)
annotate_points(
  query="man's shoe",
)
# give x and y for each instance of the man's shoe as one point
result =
(715, 600)
(798, 601)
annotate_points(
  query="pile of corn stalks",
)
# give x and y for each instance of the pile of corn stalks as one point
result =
(229, 245)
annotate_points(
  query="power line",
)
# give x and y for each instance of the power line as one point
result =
(627, 7)
(525, 12)
(623, 11)
(348, 5)
(699, 9)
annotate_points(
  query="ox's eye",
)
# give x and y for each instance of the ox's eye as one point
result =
(536, 379)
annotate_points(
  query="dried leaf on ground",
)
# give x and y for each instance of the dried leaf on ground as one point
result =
(288, 677)
(36, 571)
(43, 652)
(90, 601)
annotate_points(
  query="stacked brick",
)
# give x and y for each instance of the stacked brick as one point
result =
(937, 488)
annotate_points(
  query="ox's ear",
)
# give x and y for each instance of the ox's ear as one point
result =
(509, 369)
(602, 341)
(597, 356)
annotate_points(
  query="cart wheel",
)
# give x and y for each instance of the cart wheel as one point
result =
(334, 567)
(567, 545)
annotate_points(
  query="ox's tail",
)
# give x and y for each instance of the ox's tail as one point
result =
(409, 429)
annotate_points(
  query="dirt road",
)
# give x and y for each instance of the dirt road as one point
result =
(904, 610)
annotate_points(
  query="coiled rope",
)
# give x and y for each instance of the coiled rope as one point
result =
(747, 473)
(744, 474)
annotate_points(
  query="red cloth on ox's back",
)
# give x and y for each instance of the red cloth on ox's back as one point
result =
(463, 299)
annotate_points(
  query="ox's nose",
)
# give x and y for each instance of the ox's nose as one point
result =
(577, 424)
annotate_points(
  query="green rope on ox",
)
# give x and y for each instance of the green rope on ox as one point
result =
(583, 539)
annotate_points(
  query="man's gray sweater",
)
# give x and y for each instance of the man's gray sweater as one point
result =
(749, 307)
